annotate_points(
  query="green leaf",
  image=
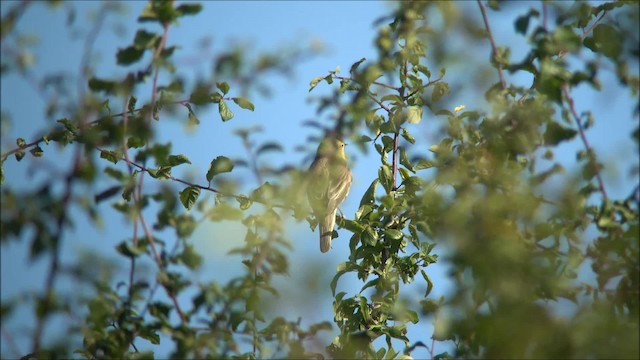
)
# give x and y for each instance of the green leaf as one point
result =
(145, 39)
(129, 55)
(414, 114)
(413, 316)
(314, 82)
(393, 98)
(36, 151)
(341, 270)
(355, 65)
(386, 178)
(223, 86)
(424, 164)
(429, 282)
(393, 234)
(225, 112)
(190, 257)
(557, 133)
(189, 196)
(21, 142)
(352, 226)
(127, 249)
(243, 103)
(270, 146)
(175, 160)
(135, 142)
(150, 335)
(404, 160)
(112, 191)
(606, 40)
(363, 139)
(188, 9)
(244, 201)
(219, 165)
(107, 86)
(522, 22)
(224, 211)
(440, 89)
(369, 237)
(110, 156)
(68, 124)
(163, 172)
(371, 283)
(407, 136)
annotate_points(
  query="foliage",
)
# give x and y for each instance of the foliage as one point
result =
(519, 231)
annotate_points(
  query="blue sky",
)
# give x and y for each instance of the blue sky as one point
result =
(345, 33)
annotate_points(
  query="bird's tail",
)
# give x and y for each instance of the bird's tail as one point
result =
(326, 231)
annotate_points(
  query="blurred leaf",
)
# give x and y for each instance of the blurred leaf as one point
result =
(314, 82)
(414, 114)
(128, 56)
(557, 133)
(190, 257)
(188, 9)
(522, 22)
(606, 40)
(269, 147)
(219, 165)
(244, 103)
(223, 86)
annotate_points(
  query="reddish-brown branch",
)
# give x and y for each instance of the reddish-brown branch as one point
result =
(585, 141)
(494, 48)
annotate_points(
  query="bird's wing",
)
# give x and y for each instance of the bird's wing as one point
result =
(318, 184)
(339, 185)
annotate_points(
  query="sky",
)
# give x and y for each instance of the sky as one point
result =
(345, 33)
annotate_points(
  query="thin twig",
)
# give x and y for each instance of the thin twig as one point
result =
(10, 342)
(39, 140)
(587, 31)
(590, 152)
(385, 107)
(90, 40)
(205, 187)
(431, 82)
(375, 82)
(494, 48)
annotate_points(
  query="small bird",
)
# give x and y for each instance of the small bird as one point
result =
(328, 185)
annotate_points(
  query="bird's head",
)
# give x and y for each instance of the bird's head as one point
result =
(332, 147)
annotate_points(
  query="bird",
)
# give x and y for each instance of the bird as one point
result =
(329, 181)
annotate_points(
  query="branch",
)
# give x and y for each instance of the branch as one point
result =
(205, 187)
(10, 342)
(375, 82)
(587, 31)
(37, 141)
(576, 118)
(385, 107)
(494, 48)
(431, 82)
